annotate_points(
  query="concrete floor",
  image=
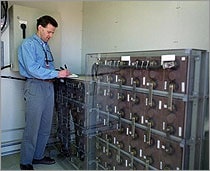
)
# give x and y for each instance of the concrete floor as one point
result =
(11, 162)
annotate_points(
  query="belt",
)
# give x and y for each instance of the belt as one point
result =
(45, 80)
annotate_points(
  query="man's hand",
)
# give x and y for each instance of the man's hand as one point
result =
(63, 73)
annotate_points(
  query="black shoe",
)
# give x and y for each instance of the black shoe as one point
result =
(45, 160)
(26, 167)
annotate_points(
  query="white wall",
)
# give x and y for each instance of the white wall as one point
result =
(144, 25)
(71, 25)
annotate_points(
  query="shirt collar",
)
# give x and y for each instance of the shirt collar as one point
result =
(37, 38)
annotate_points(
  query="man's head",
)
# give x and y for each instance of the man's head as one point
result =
(46, 26)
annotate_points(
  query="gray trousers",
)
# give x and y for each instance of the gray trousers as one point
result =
(39, 97)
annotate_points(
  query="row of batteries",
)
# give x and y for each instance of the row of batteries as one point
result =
(139, 113)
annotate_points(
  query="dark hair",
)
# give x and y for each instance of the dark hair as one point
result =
(45, 20)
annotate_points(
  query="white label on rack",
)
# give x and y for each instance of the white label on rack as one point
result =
(105, 164)
(158, 144)
(114, 140)
(131, 80)
(183, 87)
(165, 106)
(140, 153)
(180, 131)
(160, 104)
(126, 163)
(146, 100)
(116, 78)
(125, 58)
(104, 92)
(183, 58)
(161, 165)
(164, 125)
(104, 149)
(115, 109)
(142, 119)
(128, 97)
(118, 96)
(127, 131)
(104, 121)
(129, 148)
(167, 58)
(144, 81)
(145, 138)
(165, 85)
(163, 147)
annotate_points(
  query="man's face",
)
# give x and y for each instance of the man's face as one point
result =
(46, 32)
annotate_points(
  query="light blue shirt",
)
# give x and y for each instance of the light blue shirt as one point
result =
(31, 58)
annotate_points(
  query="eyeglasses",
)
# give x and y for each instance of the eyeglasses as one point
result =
(46, 57)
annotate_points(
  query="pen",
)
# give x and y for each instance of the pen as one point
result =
(65, 66)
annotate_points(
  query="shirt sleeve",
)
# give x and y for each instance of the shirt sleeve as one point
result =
(32, 63)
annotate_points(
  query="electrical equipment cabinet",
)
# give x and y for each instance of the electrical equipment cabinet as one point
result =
(146, 109)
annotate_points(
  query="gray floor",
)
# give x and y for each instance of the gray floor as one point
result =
(11, 162)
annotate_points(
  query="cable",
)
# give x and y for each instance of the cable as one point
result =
(7, 66)
(4, 10)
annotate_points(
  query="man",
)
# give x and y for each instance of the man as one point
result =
(36, 65)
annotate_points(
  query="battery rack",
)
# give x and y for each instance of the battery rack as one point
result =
(137, 110)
